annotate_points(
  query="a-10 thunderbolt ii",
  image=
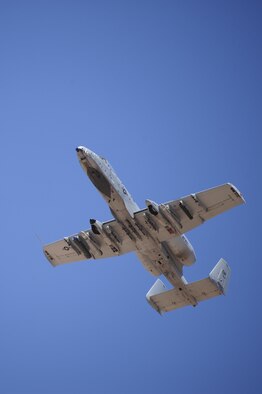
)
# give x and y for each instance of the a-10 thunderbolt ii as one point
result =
(155, 234)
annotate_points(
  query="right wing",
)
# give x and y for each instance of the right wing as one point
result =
(182, 215)
(112, 241)
(196, 208)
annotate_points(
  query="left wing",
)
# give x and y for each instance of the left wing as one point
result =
(111, 241)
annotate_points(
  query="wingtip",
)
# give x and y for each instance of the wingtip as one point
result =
(49, 257)
(237, 192)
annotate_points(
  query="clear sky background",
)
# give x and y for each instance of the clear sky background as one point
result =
(170, 93)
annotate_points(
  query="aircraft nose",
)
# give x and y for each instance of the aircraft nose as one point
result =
(84, 150)
(81, 153)
(80, 149)
(85, 153)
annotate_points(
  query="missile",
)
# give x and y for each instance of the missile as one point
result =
(78, 245)
(158, 211)
(170, 215)
(98, 229)
(91, 244)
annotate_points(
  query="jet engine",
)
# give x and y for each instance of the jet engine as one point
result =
(96, 226)
(152, 207)
(182, 250)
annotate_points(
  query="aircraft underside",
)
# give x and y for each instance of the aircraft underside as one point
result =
(155, 233)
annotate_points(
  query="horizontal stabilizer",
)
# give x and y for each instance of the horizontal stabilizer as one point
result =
(215, 285)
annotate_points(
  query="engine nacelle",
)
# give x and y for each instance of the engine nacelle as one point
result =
(152, 207)
(96, 226)
(182, 250)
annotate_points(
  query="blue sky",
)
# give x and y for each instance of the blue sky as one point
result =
(170, 93)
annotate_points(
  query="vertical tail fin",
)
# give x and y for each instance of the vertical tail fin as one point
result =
(220, 274)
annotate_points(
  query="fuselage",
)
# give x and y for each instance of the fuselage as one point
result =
(108, 184)
(172, 255)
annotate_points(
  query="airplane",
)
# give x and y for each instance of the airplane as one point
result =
(155, 234)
